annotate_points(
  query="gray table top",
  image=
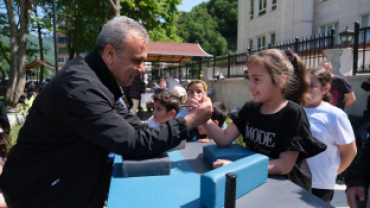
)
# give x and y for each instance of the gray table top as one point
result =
(277, 192)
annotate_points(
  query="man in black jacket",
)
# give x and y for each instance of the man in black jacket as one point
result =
(357, 177)
(77, 120)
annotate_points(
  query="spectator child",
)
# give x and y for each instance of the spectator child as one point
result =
(330, 125)
(274, 123)
(195, 90)
(161, 87)
(219, 116)
(166, 105)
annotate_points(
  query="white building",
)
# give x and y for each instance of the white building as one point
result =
(262, 22)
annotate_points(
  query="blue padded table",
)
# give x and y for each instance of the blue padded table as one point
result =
(182, 187)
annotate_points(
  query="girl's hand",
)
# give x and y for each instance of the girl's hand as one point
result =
(219, 163)
(204, 140)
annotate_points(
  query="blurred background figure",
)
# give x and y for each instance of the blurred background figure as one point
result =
(137, 87)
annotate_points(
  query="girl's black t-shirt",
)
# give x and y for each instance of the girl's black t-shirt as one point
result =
(272, 134)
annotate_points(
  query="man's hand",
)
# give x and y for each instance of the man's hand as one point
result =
(201, 111)
(219, 163)
(355, 193)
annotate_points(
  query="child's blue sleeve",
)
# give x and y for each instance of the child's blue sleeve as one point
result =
(182, 113)
(224, 126)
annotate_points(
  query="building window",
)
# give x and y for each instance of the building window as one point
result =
(326, 30)
(273, 4)
(63, 50)
(251, 9)
(261, 42)
(262, 7)
(61, 60)
(272, 38)
(365, 22)
(250, 44)
(62, 39)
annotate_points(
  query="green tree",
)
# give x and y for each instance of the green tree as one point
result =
(225, 12)
(198, 26)
(18, 43)
(159, 17)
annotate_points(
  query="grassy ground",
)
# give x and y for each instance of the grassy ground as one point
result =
(14, 134)
(239, 139)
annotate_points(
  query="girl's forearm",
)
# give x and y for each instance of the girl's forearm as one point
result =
(216, 133)
(284, 164)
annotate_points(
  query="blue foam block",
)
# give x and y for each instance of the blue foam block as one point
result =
(233, 152)
(251, 172)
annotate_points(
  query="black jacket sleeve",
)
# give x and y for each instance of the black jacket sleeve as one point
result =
(4, 122)
(358, 174)
(95, 117)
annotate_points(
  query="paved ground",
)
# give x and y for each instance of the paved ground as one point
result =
(12, 120)
(339, 200)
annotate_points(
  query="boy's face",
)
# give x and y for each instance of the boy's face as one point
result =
(160, 114)
(162, 85)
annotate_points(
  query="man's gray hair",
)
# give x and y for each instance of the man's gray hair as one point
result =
(117, 31)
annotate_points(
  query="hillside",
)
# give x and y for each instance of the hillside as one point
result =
(48, 46)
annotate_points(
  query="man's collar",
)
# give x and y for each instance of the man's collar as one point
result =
(96, 63)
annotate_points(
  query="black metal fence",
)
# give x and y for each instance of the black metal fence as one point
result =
(361, 50)
(310, 49)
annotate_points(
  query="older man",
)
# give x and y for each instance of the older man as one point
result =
(77, 120)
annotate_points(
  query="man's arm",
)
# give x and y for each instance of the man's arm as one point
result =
(94, 118)
(350, 99)
(357, 176)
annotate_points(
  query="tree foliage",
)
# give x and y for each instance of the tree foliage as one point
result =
(81, 20)
(225, 12)
(198, 26)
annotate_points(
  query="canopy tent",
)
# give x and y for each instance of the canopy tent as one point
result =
(37, 63)
(174, 52)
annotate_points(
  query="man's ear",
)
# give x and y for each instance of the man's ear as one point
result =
(108, 54)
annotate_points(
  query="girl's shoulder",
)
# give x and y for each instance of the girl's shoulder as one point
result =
(327, 109)
(293, 111)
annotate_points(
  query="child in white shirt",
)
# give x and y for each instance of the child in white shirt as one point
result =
(330, 125)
